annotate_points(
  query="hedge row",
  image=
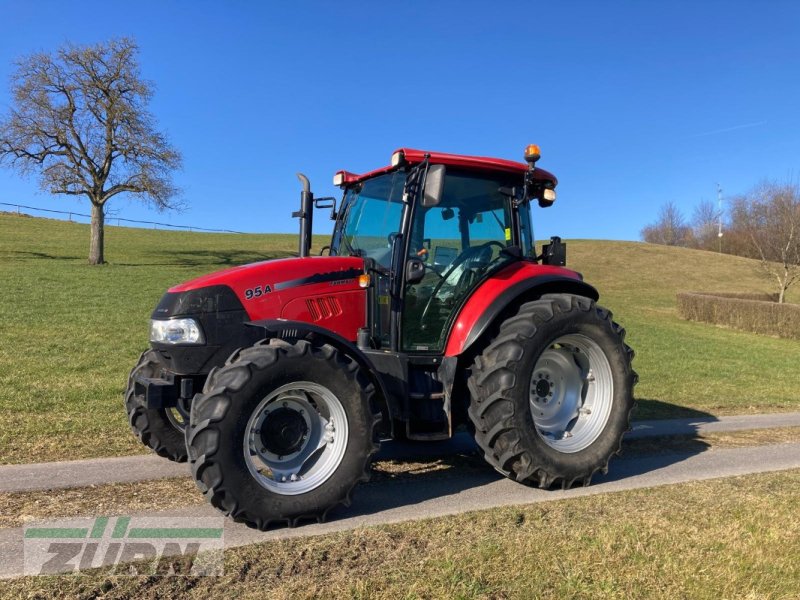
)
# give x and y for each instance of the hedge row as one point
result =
(763, 296)
(758, 313)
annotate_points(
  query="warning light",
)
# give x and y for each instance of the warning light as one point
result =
(532, 153)
(363, 280)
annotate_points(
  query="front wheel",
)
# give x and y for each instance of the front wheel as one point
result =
(282, 432)
(551, 395)
(160, 430)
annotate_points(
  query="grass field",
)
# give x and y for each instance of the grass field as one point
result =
(69, 333)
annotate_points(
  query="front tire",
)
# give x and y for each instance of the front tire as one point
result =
(160, 430)
(551, 395)
(282, 432)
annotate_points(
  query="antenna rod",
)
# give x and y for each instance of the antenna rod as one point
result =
(719, 215)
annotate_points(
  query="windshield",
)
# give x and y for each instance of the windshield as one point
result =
(372, 213)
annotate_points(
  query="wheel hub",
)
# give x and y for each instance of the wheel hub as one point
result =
(571, 393)
(284, 431)
(555, 391)
(543, 389)
(295, 438)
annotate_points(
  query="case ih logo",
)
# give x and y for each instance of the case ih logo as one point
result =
(131, 545)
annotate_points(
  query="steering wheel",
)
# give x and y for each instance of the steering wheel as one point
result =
(468, 254)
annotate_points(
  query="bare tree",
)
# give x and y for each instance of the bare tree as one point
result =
(79, 120)
(705, 225)
(670, 229)
(770, 217)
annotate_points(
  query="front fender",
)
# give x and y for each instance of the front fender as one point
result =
(500, 291)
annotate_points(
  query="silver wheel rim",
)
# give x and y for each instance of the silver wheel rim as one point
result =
(310, 426)
(571, 393)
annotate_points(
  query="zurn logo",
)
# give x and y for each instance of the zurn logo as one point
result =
(132, 545)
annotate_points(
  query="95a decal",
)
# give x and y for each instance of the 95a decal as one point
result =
(257, 291)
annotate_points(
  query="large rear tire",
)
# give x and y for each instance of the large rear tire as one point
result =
(282, 433)
(552, 394)
(160, 430)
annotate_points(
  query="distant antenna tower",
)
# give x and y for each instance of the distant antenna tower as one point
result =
(719, 215)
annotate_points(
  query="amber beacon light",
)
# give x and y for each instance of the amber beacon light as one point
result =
(532, 153)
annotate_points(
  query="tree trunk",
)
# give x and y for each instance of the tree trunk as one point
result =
(98, 231)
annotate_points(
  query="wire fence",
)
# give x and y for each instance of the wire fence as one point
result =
(111, 219)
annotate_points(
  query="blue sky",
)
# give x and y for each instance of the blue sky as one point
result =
(633, 103)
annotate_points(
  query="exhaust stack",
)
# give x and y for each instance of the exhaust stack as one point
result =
(305, 214)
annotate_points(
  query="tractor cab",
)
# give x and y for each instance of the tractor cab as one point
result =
(431, 229)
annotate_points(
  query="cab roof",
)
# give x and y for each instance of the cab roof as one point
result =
(470, 163)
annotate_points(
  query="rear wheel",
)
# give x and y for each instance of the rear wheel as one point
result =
(282, 432)
(553, 392)
(160, 430)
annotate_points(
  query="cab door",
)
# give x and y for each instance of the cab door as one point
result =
(461, 241)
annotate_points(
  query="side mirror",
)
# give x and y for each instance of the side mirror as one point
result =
(434, 186)
(415, 270)
(554, 253)
(328, 202)
(443, 257)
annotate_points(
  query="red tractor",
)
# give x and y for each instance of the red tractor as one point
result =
(430, 310)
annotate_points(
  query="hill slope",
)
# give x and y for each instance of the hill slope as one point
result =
(69, 333)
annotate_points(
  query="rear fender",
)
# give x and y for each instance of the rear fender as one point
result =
(300, 330)
(489, 302)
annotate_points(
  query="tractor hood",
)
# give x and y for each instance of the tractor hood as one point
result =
(280, 274)
(323, 290)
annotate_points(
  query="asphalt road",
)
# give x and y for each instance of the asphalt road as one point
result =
(437, 494)
(83, 473)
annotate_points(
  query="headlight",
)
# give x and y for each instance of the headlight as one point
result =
(176, 331)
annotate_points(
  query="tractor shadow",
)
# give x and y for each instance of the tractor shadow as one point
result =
(409, 473)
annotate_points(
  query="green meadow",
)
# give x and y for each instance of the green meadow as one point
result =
(70, 333)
